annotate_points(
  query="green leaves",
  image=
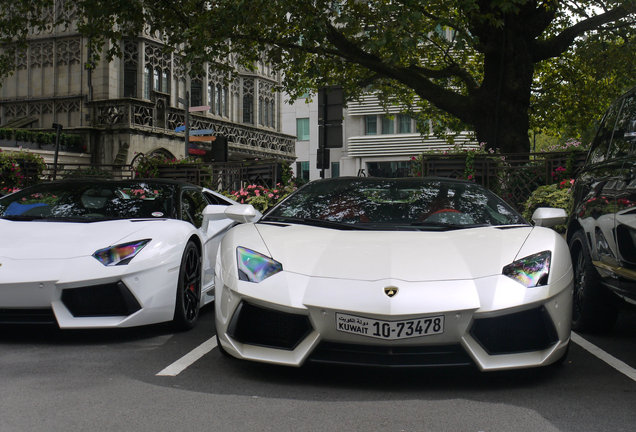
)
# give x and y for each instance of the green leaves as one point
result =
(462, 63)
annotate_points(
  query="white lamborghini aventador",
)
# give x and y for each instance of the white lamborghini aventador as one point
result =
(394, 272)
(99, 253)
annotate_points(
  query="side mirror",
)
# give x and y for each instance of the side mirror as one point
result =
(549, 217)
(242, 213)
(212, 212)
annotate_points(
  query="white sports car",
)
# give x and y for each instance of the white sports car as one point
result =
(394, 272)
(99, 253)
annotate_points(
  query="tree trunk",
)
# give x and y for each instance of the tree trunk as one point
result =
(500, 107)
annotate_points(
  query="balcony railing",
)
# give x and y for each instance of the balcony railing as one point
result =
(156, 116)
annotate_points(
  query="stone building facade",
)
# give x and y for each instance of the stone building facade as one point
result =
(131, 105)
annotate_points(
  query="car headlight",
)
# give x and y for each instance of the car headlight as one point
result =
(530, 271)
(255, 267)
(120, 254)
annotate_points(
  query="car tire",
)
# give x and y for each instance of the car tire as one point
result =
(188, 300)
(592, 309)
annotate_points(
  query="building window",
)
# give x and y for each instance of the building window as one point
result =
(165, 81)
(260, 112)
(211, 97)
(196, 93)
(389, 169)
(335, 169)
(302, 171)
(130, 80)
(271, 114)
(387, 125)
(248, 109)
(157, 80)
(371, 125)
(404, 123)
(147, 82)
(302, 129)
(224, 100)
(218, 101)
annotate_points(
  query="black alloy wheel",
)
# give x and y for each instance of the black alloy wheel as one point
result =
(188, 289)
(592, 309)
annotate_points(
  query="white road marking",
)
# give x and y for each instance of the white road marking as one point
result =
(180, 365)
(610, 360)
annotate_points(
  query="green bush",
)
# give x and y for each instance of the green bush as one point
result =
(87, 172)
(25, 135)
(558, 195)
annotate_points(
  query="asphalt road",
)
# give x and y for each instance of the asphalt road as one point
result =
(52, 380)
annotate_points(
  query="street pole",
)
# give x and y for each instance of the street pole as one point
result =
(58, 132)
(187, 125)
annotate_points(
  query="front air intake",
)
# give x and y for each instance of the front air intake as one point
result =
(256, 325)
(531, 330)
(100, 300)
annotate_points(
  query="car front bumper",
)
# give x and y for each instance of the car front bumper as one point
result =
(492, 322)
(82, 293)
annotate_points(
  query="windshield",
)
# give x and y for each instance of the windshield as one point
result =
(89, 201)
(406, 203)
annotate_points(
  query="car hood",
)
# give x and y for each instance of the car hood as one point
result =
(62, 240)
(405, 255)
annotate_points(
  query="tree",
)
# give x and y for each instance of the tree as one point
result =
(470, 64)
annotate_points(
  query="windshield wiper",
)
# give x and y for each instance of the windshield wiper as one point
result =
(448, 226)
(21, 218)
(29, 218)
(314, 222)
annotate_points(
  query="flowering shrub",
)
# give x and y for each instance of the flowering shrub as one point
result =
(558, 195)
(570, 145)
(11, 169)
(260, 197)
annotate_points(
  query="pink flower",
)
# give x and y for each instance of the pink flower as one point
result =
(270, 195)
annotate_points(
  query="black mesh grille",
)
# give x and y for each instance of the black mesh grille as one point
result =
(530, 330)
(27, 316)
(391, 356)
(100, 300)
(255, 325)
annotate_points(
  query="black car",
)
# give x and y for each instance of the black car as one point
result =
(602, 227)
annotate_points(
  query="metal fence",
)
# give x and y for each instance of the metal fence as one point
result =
(512, 176)
(217, 176)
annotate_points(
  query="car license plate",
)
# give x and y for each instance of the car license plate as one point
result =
(390, 329)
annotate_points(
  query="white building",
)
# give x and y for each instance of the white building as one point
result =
(374, 144)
